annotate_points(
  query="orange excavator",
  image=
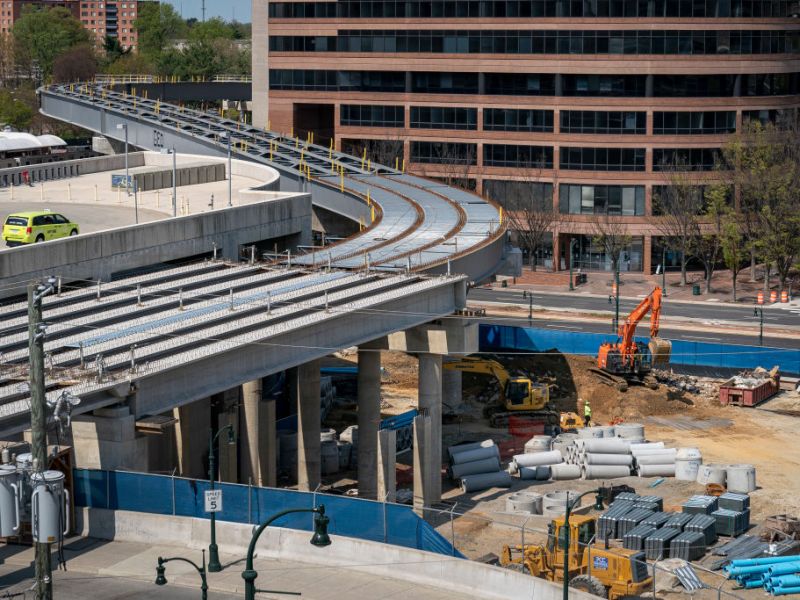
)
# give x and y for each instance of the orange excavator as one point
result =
(628, 360)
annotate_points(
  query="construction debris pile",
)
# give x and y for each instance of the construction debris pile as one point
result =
(686, 383)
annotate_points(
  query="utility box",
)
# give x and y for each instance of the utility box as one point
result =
(9, 501)
(49, 507)
(734, 393)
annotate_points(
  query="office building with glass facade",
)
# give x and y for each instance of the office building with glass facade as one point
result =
(576, 102)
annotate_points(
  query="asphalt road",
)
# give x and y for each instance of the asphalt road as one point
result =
(90, 217)
(709, 311)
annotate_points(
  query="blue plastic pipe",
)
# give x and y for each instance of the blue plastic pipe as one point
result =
(749, 562)
(783, 591)
(751, 570)
(784, 569)
(785, 581)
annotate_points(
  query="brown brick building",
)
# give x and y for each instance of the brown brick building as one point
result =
(112, 18)
(574, 102)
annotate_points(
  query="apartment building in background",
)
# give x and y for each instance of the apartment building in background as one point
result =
(103, 19)
(578, 103)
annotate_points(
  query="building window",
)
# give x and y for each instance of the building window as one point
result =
(762, 116)
(511, 119)
(444, 83)
(443, 153)
(586, 121)
(515, 195)
(510, 155)
(444, 117)
(602, 159)
(685, 159)
(678, 86)
(604, 85)
(372, 115)
(694, 123)
(575, 199)
(520, 84)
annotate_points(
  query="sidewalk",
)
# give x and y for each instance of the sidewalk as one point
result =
(133, 561)
(637, 285)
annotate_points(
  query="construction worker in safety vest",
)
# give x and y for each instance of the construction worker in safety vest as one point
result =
(587, 413)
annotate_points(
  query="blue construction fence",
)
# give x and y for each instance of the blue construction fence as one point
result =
(498, 338)
(384, 522)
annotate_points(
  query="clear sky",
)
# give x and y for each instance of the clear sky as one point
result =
(225, 9)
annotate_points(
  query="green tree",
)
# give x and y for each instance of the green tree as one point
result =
(706, 239)
(158, 25)
(41, 35)
(213, 29)
(15, 112)
(76, 64)
(732, 241)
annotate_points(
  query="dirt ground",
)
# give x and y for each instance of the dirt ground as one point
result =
(765, 437)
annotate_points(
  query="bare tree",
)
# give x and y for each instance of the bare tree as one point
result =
(706, 238)
(456, 161)
(676, 208)
(610, 233)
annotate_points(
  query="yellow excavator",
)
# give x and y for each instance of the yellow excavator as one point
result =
(611, 573)
(519, 396)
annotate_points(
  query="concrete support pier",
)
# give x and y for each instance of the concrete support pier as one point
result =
(430, 403)
(422, 464)
(387, 465)
(268, 444)
(369, 416)
(251, 432)
(191, 433)
(304, 383)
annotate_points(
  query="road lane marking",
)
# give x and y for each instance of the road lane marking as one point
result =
(699, 337)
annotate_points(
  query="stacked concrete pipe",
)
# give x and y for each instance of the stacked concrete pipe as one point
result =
(477, 466)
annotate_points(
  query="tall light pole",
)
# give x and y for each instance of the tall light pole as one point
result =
(598, 504)
(759, 312)
(36, 333)
(230, 173)
(124, 126)
(174, 183)
(214, 565)
(614, 297)
(201, 570)
(319, 539)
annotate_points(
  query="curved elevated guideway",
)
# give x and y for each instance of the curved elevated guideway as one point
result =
(183, 333)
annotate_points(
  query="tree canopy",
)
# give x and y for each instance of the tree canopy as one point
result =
(41, 35)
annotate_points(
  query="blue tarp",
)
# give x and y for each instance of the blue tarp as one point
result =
(497, 338)
(352, 517)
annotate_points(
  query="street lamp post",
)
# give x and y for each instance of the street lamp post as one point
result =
(664, 271)
(759, 312)
(614, 297)
(568, 509)
(214, 565)
(162, 580)
(127, 177)
(319, 539)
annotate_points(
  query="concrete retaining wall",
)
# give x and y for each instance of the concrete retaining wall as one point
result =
(384, 560)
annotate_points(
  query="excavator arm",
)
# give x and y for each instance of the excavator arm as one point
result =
(627, 331)
(481, 366)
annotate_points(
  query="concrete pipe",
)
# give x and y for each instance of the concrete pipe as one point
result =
(671, 453)
(605, 471)
(590, 432)
(538, 443)
(651, 459)
(607, 430)
(329, 456)
(646, 446)
(512, 468)
(564, 472)
(541, 458)
(656, 470)
(453, 450)
(687, 464)
(553, 510)
(629, 430)
(483, 481)
(350, 435)
(540, 473)
(712, 473)
(527, 502)
(741, 478)
(559, 497)
(486, 465)
(563, 441)
(476, 454)
(608, 459)
(606, 446)
(345, 451)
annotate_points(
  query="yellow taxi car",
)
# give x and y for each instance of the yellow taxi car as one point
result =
(37, 226)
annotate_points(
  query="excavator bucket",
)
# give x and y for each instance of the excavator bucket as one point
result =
(660, 352)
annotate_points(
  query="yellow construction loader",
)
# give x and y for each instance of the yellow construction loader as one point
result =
(606, 572)
(519, 396)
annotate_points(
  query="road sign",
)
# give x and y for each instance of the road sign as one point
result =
(213, 500)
